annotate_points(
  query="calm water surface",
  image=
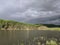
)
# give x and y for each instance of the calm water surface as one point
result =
(33, 37)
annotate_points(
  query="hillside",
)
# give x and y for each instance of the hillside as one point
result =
(13, 25)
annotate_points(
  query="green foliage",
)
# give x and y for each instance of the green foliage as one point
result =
(13, 25)
(51, 42)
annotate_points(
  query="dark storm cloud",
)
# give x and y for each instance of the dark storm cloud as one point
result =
(51, 19)
(32, 11)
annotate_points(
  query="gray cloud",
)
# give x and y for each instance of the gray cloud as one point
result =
(32, 11)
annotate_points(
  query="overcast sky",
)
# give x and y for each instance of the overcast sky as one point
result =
(31, 11)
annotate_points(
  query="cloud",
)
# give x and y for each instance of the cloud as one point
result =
(32, 14)
(32, 11)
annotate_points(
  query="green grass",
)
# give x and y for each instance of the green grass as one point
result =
(13, 25)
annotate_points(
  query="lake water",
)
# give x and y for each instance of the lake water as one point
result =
(33, 37)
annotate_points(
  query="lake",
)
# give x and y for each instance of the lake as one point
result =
(32, 37)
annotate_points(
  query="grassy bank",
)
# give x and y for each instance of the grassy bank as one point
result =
(13, 25)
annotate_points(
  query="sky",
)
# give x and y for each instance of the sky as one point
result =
(31, 11)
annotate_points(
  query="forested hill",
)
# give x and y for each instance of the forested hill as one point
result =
(13, 25)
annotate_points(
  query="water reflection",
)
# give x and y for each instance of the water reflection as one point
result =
(29, 37)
